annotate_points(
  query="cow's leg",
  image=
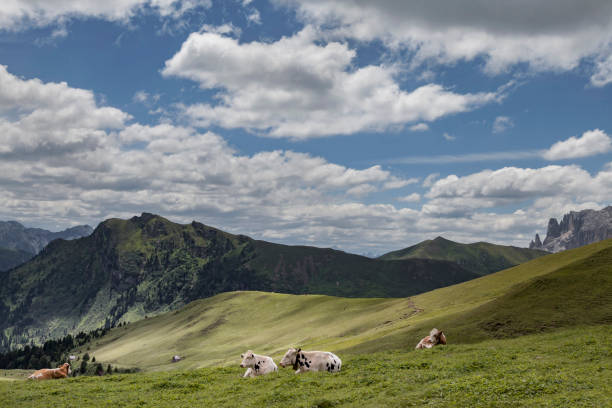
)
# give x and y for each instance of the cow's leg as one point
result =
(248, 373)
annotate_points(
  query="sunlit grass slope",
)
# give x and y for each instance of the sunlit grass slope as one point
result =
(560, 290)
(215, 331)
(567, 368)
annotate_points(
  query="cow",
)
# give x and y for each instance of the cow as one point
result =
(51, 373)
(435, 337)
(303, 361)
(256, 364)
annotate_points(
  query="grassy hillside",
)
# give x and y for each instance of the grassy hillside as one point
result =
(568, 368)
(129, 269)
(561, 290)
(480, 257)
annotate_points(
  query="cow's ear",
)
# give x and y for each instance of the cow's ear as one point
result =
(298, 350)
(242, 356)
(251, 355)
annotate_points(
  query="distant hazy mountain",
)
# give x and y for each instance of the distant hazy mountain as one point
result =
(13, 235)
(18, 244)
(576, 229)
(146, 265)
(480, 257)
(10, 258)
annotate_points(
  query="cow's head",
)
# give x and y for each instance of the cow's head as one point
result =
(66, 367)
(290, 357)
(442, 338)
(248, 359)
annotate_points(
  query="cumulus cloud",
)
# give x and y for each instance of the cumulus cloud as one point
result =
(299, 88)
(430, 179)
(145, 98)
(411, 198)
(22, 14)
(419, 127)
(603, 72)
(68, 159)
(512, 185)
(547, 35)
(502, 123)
(50, 119)
(590, 143)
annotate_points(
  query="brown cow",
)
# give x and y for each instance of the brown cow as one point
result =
(51, 373)
(435, 337)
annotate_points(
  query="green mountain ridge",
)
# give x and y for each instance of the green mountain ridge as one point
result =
(130, 269)
(564, 290)
(481, 258)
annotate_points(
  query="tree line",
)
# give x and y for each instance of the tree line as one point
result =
(56, 352)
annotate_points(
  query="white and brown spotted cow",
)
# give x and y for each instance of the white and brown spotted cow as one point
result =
(435, 337)
(256, 364)
(50, 373)
(303, 361)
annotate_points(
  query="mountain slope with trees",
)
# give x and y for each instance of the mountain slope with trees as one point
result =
(130, 269)
(481, 258)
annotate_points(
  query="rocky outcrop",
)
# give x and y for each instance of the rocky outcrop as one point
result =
(15, 236)
(576, 229)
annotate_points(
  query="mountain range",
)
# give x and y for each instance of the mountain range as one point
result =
(18, 244)
(577, 228)
(130, 269)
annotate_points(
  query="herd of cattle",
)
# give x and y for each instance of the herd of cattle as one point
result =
(301, 361)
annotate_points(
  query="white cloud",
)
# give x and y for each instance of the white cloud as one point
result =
(254, 17)
(300, 89)
(411, 198)
(419, 127)
(449, 137)
(50, 119)
(502, 123)
(430, 179)
(514, 185)
(22, 14)
(547, 35)
(590, 143)
(66, 158)
(145, 97)
(603, 72)
(395, 183)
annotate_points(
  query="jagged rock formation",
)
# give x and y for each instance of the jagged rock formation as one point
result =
(576, 229)
(15, 236)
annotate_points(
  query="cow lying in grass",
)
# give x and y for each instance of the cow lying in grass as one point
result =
(50, 373)
(303, 361)
(435, 337)
(256, 364)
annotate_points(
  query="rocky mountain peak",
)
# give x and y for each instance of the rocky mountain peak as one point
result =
(15, 236)
(577, 228)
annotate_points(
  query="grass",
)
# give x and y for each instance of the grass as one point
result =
(551, 292)
(569, 367)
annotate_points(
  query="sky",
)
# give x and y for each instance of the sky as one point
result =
(358, 125)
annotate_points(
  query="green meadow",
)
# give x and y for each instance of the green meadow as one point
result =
(566, 368)
(538, 334)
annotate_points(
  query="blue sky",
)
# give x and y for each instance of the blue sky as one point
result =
(351, 124)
